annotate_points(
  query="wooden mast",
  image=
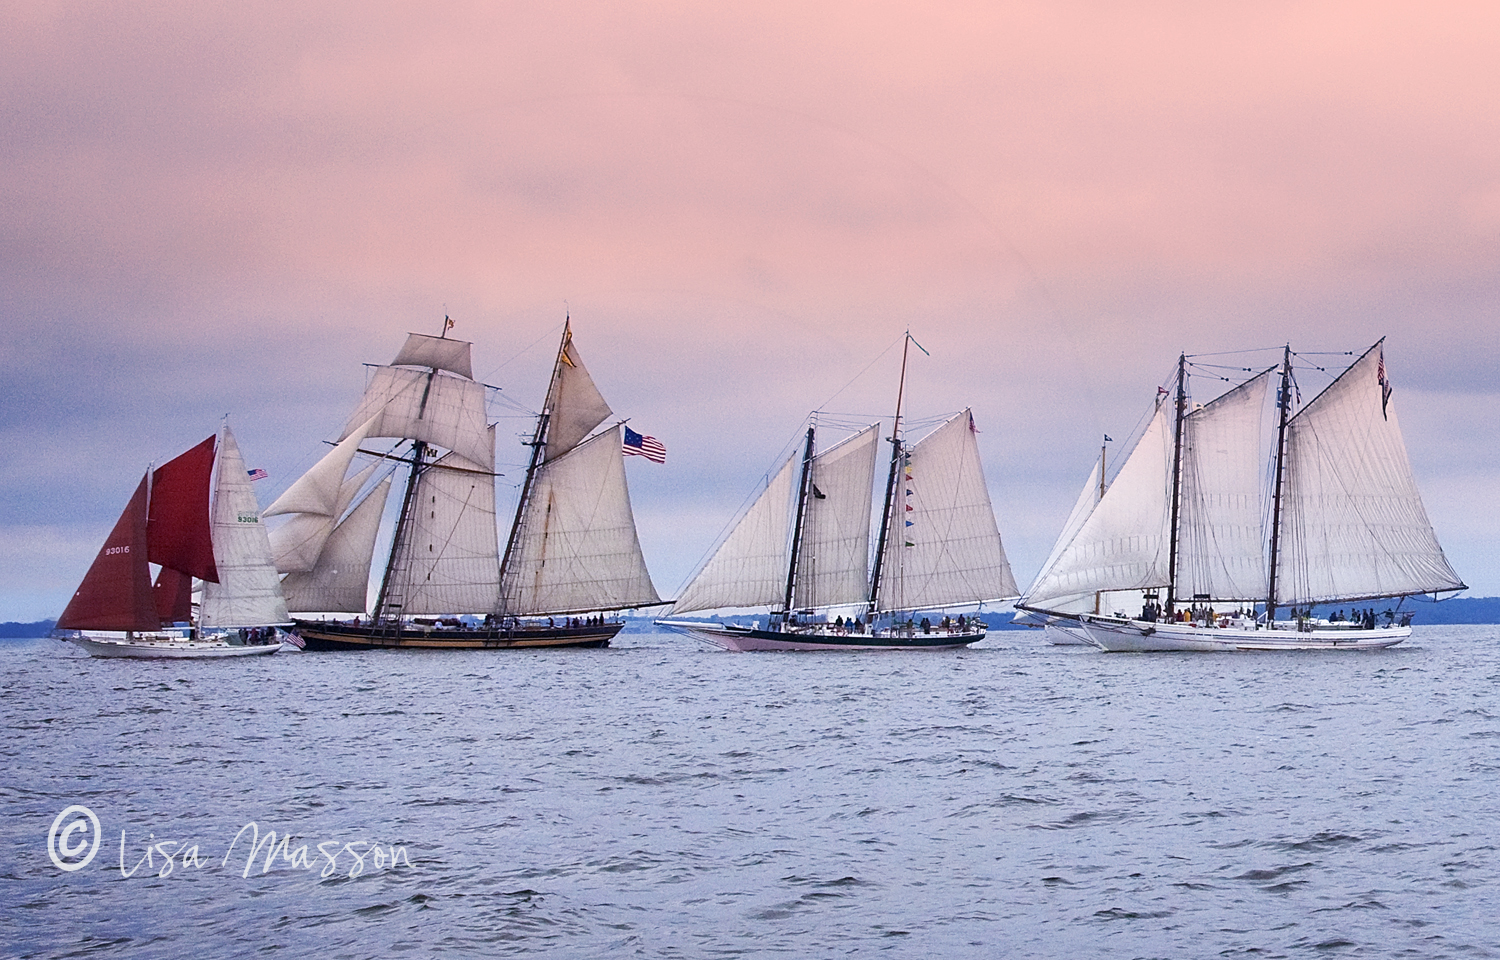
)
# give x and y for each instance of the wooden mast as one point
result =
(791, 572)
(1176, 483)
(1284, 405)
(890, 483)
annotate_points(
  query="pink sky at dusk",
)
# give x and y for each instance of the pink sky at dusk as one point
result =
(227, 209)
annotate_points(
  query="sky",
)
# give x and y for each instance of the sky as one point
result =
(211, 209)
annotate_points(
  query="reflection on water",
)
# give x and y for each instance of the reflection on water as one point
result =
(661, 799)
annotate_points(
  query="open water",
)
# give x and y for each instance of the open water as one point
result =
(660, 799)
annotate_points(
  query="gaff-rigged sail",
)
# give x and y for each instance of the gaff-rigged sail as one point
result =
(1221, 532)
(944, 547)
(575, 547)
(833, 566)
(1354, 526)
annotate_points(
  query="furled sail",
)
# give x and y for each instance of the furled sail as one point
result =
(1353, 524)
(338, 582)
(1124, 543)
(248, 592)
(576, 547)
(116, 592)
(944, 546)
(834, 553)
(1221, 528)
(749, 567)
(447, 558)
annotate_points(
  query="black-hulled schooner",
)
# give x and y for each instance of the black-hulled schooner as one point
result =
(570, 556)
(1199, 520)
(803, 548)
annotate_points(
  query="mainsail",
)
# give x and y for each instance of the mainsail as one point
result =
(1354, 526)
(573, 547)
(116, 592)
(944, 546)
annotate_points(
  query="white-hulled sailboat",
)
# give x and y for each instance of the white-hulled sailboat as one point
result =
(1190, 523)
(171, 521)
(571, 554)
(803, 549)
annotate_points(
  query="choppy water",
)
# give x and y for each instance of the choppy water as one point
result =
(662, 799)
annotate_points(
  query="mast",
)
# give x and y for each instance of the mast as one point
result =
(1103, 452)
(538, 443)
(1284, 404)
(890, 483)
(791, 571)
(1176, 483)
(418, 452)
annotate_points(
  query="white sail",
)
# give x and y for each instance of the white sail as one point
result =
(1353, 524)
(1123, 545)
(834, 553)
(248, 593)
(943, 547)
(317, 490)
(1088, 498)
(297, 543)
(749, 568)
(1221, 528)
(424, 405)
(574, 404)
(339, 581)
(440, 353)
(576, 548)
(446, 560)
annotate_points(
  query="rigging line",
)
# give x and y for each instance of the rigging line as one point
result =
(872, 363)
(549, 332)
(1230, 353)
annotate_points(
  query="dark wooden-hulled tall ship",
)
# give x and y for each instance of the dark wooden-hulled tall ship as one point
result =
(570, 557)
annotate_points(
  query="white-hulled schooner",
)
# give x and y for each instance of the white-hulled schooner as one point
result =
(1194, 523)
(803, 548)
(172, 521)
(571, 555)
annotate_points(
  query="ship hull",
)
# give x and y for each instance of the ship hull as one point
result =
(1136, 636)
(169, 649)
(1067, 633)
(331, 635)
(750, 640)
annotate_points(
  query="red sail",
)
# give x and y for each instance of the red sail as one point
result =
(174, 596)
(178, 528)
(116, 592)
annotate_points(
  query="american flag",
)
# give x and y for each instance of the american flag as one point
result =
(643, 446)
(1385, 387)
(257, 474)
(295, 639)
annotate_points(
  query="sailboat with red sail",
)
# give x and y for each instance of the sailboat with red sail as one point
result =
(193, 524)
